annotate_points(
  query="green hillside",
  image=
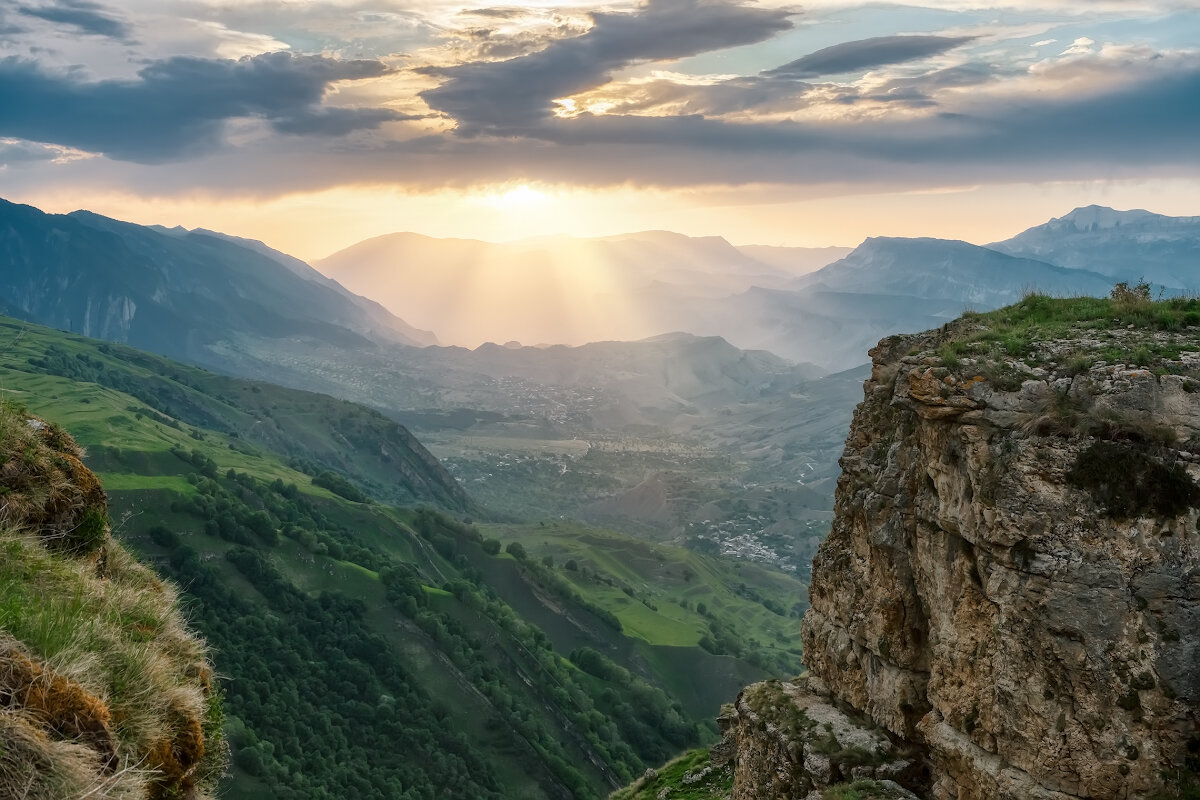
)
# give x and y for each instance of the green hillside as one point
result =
(397, 652)
(312, 432)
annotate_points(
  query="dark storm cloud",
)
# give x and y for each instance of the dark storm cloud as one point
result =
(867, 54)
(82, 15)
(1135, 118)
(1152, 119)
(178, 106)
(517, 94)
(1149, 127)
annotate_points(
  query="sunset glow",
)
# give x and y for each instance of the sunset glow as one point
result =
(757, 122)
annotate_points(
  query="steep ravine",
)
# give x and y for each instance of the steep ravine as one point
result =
(1008, 605)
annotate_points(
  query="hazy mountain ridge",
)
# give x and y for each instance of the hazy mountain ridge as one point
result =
(179, 294)
(319, 432)
(558, 289)
(824, 305)
(378, 316)
(942, 269)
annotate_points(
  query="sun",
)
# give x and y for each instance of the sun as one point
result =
(517, 197)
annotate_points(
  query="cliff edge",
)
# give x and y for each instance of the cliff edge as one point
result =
(103, 691)
(1008, 605)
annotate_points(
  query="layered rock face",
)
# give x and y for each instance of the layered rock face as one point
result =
(1011, 587)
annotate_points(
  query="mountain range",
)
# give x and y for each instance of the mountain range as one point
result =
(822, 305)
(558, 289)
(185, 294)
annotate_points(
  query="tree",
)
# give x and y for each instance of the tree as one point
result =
(516, 550)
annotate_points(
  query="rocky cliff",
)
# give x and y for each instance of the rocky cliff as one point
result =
(1008, 605)
(104, 693)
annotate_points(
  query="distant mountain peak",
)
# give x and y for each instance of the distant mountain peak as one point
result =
(1122, 245)
(1094, 217)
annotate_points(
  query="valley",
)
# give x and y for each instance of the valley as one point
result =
(546, 660)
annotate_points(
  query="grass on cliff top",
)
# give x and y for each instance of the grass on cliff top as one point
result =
(1128, 327)
(1125, 305)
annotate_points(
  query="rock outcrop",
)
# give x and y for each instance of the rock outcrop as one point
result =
(1010, 594)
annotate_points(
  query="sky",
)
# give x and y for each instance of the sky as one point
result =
(313, 124)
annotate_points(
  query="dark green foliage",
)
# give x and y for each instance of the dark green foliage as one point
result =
(1129, 481)
(622, 721)
(87, 536)
(595, 663)
(298, 592)
(516, 550)
(339, 486)
(329, 712)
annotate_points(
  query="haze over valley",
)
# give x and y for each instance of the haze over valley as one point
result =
(719, 430)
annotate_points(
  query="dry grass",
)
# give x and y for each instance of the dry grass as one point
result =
(103, 690)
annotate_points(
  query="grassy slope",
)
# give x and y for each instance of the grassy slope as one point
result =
(137, 451)
(252, 416)
(105, 691)
(658, 592)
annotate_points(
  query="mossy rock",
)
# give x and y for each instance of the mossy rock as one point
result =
(44, 487)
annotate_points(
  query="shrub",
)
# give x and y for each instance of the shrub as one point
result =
(1130, 296)
(1128, 481)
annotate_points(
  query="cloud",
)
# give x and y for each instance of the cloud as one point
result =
(1000, 117)
(18, 152)
(336, 121)
(763, 98)
(83, 15)
(867, 54)
(1081, 46)
(922, 91)
(517, 94)
(178, 106)
(499, 12)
